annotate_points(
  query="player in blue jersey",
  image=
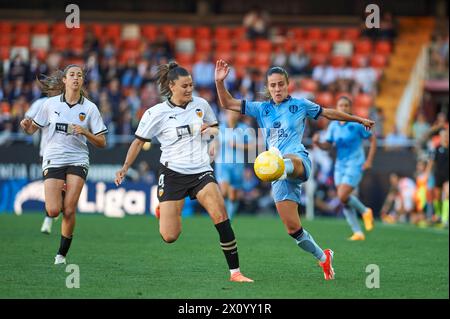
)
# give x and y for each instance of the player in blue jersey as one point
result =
(235, 139)
(283, 119)
(350, 164)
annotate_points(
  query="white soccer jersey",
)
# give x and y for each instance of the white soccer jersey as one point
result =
(31, 113)
(62, 146)
(178, 130)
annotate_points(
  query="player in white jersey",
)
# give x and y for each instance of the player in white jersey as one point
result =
(35, 107)
(71, 120)
(183, 124)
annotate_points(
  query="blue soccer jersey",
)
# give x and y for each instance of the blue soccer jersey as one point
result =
(348, 139)
(284, 123)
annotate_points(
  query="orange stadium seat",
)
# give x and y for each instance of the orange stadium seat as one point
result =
(128, 55)
(308, 46)
(149, 31)
(309, 85)
(132, 44)
(244, 46)
(363, 100)
(338, 61)
(332, 34)
(361, 111)
(383, 47)
(22, 40)
(184, 58)
(299, 34)
(78, 32)
(203, 45)
(222, 34)
(60, 42)
(169, 32)
(5, 27)
(226, 56)
(358, 60)
(113, 31)
(318, 59)
(323, 47)
(239, 33)
(59, 28)
(262, 60)
(363, 47)
(185, 32)
(378, 61)
(263, 46)
(224, 46)
(22, 28)
(243, 59)
(97, 29)
(5, 40)
(41, 28)
(77, 42)
(351, 34)
(325, 99)
(203, 33)
(288, 45)
(313, 34)
(4, 53)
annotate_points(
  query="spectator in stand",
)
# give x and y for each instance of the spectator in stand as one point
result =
(298, 62)
(399, 203)
(17, 69)
(256, 22)
(377, 115)
(279, 57)
(109, 70)
(365, 78)
(345, 76)
(396, 140)
(420, 130)
(130, 75)
(388, 27)
(325, 75)
(203, 72)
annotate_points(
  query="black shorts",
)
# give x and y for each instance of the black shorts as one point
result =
(440, 177)
(176, 186)
(61, 172)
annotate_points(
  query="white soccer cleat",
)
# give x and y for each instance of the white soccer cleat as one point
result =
(60, 259)
(47, 226)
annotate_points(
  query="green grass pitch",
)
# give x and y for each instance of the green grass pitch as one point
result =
(126, 258)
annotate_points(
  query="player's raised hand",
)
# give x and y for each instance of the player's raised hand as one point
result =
(368, 124)
(120, 176)
(222, 70)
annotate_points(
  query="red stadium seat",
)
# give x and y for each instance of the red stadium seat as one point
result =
(203, 33)
(60, 42)
(59, 29)
(351, 34)
(308, 46)
(77, 42)
(378, 61)
(149, 31)
(244, 46)
(203, 45)
(113, 31)
(309, 85)
(363, 100)
(77, 32)
(97, 29)
(338, 61)
(313, 34)
(128, 55)
(169, 32)
(4, 53)
(5, 40)
(22, 40)
(361, 111)
(239, 33)
(222, 34)
(41, 28)
(131, 44)
(263, 46)
(383, 47)
(262, 60)
(299, 34)
(323, 47)
(226, 56)
(242, 58)
(332, 34)
(358, 60)
(5, 27)
(22, 28)
(185, 32)
(317, 59)
(184, 59)
(325, 99)
(224, 46)
(363, 47)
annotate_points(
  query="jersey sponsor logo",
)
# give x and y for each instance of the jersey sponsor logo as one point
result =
(82, 116)
(62, 127)
(293, 108)
(184, 130)
(277, 124)
(199, 113)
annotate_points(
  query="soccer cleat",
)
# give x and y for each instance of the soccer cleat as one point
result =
(328, 271)
(368, 219)
(239, 277)
(47, 226)
(357, 236)
(60, 259)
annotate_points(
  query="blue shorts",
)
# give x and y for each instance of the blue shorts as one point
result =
(349, 174)
(290, 189)
(232, 174)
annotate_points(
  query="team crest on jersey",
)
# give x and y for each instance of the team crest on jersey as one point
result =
(199, 113)
(293, 108)
(160, 192)
(276, 124)
(82, 116)
(46, 172)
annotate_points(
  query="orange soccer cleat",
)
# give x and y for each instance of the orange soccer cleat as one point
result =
(368, 219)
(327, 266)
(239, 277)
(357, 236)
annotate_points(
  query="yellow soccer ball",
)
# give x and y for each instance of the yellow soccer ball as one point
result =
(268, 166)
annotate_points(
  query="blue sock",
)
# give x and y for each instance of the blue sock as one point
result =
(305, 241)
(288, 166)
(355, 203)
(352, 220)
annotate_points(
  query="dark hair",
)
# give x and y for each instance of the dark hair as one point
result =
(273, 70)
(53, 85)
(168, 73)
(346, 98)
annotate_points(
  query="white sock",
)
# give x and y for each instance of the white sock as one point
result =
(233, 271)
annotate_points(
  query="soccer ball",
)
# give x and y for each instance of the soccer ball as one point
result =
(268, 166)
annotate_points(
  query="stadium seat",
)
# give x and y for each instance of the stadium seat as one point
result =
(22, 28)
(363, 101)
(383, 47)
(308, 85)
(325, 99)
(308, 46)
(113, 31)
(239, 33)
(351, 34)
(289, 45)
(5, 27)
(378, 61)
(358, 60)
(332, 34)
(184, 58)
(77, 42)
(203, 45)
(169, 32)
(323, 47)
(97, 29)
(5, 40)
(244, 46)
(4, 53)
(22, 40)
(226, 56)
(185, 32)
(363, 47)
(313, 34)
(361, 111)
(149, 31)
(131, 44)
(338, 61)
(203, 32)
(222, 34)
(262, 61)
(59, 29)
(224, 46)
(263, 46)
(41, 28)
(317, 59)
(298, 33)
(60, 42)
(128, 55)
(242, 59)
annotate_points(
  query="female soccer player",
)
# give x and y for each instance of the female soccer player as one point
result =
(283, 119)
(350, 164)
(72, 120)
(183, 124)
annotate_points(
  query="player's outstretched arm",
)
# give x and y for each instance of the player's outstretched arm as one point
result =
(332, 114)
(133, 152)
(226, 100)
(28, 126)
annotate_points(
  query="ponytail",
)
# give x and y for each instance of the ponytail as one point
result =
(168, 73)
